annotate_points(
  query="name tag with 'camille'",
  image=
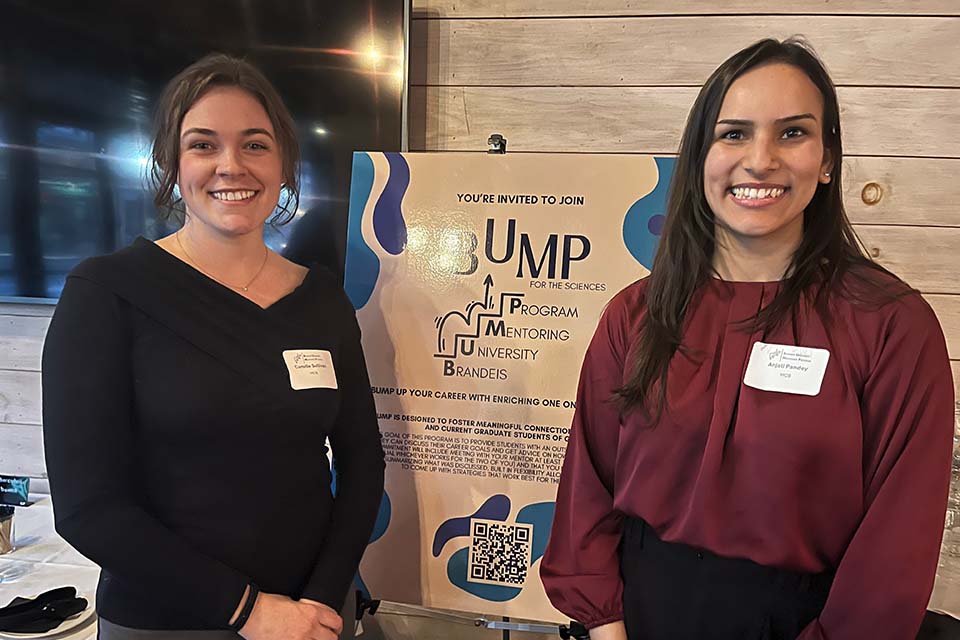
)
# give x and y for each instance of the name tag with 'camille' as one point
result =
(310, 369)
(786, 368)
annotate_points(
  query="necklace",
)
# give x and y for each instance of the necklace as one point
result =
(266, 254)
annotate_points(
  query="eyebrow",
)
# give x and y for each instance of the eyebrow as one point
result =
(746, 123)
(211, 132)
(253, 132)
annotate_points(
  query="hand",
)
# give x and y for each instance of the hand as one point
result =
(612, 631)
(329, 617)
(276, 617)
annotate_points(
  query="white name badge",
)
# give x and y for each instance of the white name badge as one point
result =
(310, 369)
(786, 368)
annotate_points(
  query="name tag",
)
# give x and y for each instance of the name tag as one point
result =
(786, 368)
(310, 369)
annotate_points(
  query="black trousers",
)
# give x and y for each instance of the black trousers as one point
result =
(675, 592)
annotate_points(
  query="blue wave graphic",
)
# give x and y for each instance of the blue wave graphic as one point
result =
(540, 515)
(643, 223)
(383, 518)
(495, 508)
(362, 265)
(388, 223)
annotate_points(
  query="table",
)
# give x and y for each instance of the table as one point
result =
(42, 561)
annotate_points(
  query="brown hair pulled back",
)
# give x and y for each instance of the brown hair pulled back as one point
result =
(179, 96)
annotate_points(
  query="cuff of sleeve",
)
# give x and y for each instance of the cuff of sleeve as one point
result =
(332, 595)
(599, 622)
(227, 605)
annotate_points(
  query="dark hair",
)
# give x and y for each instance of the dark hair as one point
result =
(179, 96)
(828, 250)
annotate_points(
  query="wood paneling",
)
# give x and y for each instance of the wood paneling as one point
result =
(876, 121)
(549, 119)
(20, 399)
(20, 354)
(955, 365)
(571, 8)
(21, 342)
(926, 257)
(947, 309)
(26, 309)
(898, 122)
(21, 453)
(915, 191)
(675, 51)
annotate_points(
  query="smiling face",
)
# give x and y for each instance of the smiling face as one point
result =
(230, 164)
(767, 156)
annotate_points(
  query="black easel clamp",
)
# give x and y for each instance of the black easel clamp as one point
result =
(365, 605)
(496, 143)
(575, 631)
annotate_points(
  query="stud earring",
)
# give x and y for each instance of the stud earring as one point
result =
(826, 174)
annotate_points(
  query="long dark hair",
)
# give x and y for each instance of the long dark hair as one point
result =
(828, 250)
(183, 91)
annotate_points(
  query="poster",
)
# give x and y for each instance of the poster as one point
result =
(478, 281)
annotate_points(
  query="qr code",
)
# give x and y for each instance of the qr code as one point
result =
(499, 552)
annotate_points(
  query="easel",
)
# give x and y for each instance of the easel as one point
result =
(573, 631)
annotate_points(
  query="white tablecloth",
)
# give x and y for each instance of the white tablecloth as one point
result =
(42, 561)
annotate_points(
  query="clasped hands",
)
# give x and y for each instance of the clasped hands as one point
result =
(277, 617)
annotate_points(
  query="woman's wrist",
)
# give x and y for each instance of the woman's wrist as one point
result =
(243, 601)
(610, 631)
(244, 608)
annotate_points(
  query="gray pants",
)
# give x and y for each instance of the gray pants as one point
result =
(107, 630)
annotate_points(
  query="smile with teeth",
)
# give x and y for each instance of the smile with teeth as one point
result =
(748, 193)
(233, 196)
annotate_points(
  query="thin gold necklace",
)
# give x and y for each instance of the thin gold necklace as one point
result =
(266, 254)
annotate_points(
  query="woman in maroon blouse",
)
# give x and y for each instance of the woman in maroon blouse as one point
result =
(762, 441)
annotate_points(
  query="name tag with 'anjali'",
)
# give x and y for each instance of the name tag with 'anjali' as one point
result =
(786, 368)
(310, 369)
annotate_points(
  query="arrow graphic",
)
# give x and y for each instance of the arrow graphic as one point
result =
(487, 298)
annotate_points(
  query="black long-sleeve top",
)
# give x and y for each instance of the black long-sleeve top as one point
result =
(180, 458)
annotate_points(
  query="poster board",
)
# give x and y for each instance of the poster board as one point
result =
(478, 282)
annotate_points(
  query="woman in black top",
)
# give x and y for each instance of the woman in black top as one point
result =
(190, 385)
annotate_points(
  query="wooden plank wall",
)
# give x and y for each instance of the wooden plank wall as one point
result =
(619, 76)
(22, 328)
(586, 76)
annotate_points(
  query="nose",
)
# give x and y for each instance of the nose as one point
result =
(230, 163)
(762, 156)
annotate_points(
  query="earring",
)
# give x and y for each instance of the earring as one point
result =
(826, 174)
